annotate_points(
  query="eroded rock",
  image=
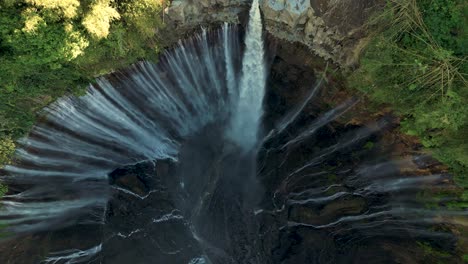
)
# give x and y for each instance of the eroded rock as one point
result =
(334, 30)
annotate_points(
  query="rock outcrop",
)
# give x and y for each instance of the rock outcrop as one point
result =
(335, 30)
(190, 13)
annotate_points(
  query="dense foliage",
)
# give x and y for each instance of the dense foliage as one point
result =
(417, 63)
(52, 47)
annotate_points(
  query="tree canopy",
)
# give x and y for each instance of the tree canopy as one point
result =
(52, 47)
(417, 63)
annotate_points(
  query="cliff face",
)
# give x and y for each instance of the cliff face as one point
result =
(191, 13)
(332, 29)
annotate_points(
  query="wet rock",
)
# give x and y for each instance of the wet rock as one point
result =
(142, 223)
(331, 29)
(52, 244)
(185, 14)
(132, 179)
(334, 30)
(325, 213)
(426, 162)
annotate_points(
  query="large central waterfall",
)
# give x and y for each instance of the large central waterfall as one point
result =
(213, 156)
(248, 109)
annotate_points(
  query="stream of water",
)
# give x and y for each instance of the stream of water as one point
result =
(248, 108)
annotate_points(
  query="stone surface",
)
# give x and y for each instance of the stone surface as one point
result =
(142, 223)
(185, 14)
(334, 30)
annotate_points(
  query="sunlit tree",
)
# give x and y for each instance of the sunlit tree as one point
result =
(98, 20)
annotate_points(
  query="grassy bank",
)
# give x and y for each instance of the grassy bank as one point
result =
(49, 48)
(417, 64)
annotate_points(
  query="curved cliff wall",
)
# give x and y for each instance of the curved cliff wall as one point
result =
(332, 29)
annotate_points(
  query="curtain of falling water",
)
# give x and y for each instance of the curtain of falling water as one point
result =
(59, 177)
(131, 116)
(244, 127)
(142, 113)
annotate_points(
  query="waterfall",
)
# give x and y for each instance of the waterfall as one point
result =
(162, 163)
(142, 113)
(230, 75)
(246, 117)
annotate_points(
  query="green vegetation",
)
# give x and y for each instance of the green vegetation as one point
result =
(7, 147)
(417, 63)
(433, 255)
(49, 48)
(369, 145)
(52, 47)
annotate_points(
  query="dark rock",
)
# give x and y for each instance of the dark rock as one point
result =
(142, 223)
(333, 30)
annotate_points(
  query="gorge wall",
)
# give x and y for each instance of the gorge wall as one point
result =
(335, 30)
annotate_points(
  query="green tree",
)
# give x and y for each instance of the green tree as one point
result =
(52, 47)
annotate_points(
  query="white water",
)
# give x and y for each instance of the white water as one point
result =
(246, 117)
(73, 256)
(127, 117)
(146, 114)
(230, 72)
